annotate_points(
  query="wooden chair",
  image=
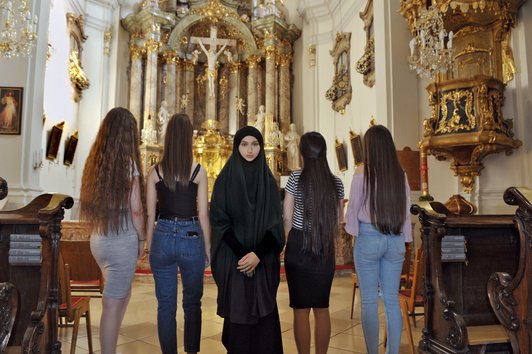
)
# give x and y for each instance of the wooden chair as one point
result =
(85, 274)
(73, 308)
(406, 272)
(354, 279)
(8, 312)
(404, 293)
(412, 297)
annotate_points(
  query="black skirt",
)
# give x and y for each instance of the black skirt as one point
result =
(309, 279)
(263, 337)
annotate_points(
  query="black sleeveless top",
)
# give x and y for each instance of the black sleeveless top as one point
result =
(182, 203)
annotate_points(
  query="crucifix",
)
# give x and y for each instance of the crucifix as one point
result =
(211, 53)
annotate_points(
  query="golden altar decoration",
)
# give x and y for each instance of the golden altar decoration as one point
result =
(467, 121)
(211, 149)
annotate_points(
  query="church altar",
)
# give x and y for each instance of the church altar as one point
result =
(225, 64)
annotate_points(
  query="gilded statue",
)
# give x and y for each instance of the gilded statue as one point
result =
(508, 64)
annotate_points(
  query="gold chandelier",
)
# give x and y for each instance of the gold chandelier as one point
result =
(17, 28)
(431, 47)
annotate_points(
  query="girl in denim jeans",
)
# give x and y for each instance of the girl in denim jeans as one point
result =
(378, 216)
(181, 240)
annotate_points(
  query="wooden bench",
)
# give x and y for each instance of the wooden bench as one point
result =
(35, 328)
(510, 294)
(458, 315)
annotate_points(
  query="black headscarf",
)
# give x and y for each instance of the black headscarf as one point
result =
(246, 199)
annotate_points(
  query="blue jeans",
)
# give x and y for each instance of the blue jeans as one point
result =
(379, 261)
(178, 244)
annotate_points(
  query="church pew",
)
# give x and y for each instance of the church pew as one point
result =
(35, 328)
(458, 315)
(510, 295)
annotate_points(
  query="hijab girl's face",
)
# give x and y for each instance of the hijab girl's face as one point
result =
(249, 148)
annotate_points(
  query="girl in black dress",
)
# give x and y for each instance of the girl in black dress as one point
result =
(312, 206)
(247, 238)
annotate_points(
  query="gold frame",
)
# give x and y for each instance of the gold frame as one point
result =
(16, 94)
(341, 156)
(340, 92)
(356, 147)
(54, 141)
(70, 149)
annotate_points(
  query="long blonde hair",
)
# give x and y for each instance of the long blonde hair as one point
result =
(108, 174)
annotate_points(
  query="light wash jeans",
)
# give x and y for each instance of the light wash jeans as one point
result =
(379, 261)
(178, 244)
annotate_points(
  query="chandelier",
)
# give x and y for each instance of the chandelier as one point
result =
(17, 28)
(431, 47)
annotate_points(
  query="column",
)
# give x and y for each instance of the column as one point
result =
(284, 93)
(188, 89)
(223, 98)
(135, 82)
(234, 94)
(179, 91)
(150, 85)
(252, 63)
(270, 80)
(170, 94)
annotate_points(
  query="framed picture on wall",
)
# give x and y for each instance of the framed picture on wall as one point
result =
(356, 147)
(70, 149)
(54, 140)
(10, 110)
(341, 155)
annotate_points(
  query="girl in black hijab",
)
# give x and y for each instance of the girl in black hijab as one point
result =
(247, 234)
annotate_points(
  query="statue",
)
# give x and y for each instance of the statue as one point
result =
(259, 120)
(211, 64)
(229, 56)
(162, 119)
(240, 104)
(195, 55)
(3, 188)
(184, 101)
(292, 148)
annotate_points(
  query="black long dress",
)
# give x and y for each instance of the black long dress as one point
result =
(245, 217)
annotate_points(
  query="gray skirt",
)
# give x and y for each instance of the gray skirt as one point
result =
(116, 254)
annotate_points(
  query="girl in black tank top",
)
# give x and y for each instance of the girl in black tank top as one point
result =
(180, 242)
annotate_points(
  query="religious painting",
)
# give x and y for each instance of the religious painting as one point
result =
(341, 156)
(340, 92)
(54, 140)
(10, 110)
(410, 162)
(70, 149)
(356, 147)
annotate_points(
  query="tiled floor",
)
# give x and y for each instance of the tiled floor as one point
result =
(138, 334)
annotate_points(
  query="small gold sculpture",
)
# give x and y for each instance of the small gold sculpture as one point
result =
(78, 78)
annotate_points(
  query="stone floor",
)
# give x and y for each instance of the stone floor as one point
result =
(138, 334)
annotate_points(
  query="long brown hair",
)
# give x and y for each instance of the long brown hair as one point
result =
(384, 181)
(320, 197)
(107, 177)
(177, 156)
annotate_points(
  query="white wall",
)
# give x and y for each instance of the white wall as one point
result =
(399, 99)
(18, 151)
